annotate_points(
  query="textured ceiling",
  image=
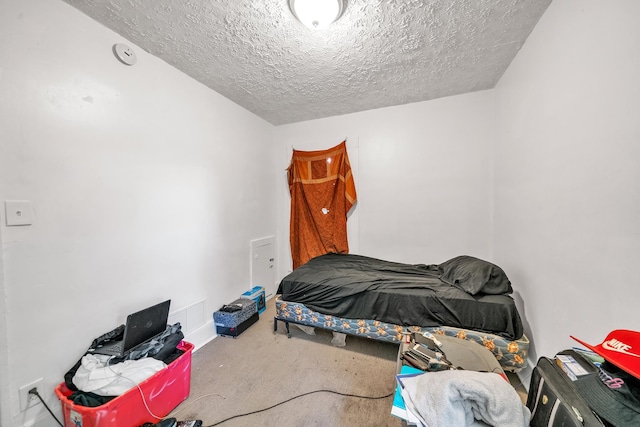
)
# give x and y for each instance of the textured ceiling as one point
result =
(378, 54)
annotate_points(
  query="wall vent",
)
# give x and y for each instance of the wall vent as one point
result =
(190, 317)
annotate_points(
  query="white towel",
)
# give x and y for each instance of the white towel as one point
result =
(462, 398)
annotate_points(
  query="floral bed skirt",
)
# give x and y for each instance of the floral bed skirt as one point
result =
(512, 354)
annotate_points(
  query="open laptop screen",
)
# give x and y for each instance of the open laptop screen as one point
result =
(145, 324)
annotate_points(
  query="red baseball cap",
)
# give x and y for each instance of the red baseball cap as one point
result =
(622, 348)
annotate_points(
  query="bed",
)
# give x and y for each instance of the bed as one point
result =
(362, 296)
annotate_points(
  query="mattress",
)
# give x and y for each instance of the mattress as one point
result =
(511, 354)
(359, 287)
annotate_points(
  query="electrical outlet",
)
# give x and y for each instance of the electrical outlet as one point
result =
(28, 400)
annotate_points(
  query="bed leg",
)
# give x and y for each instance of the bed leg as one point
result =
(275, 326)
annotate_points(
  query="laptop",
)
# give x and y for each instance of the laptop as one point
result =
(141, 327)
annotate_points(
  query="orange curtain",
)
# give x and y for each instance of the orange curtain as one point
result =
(322, 193)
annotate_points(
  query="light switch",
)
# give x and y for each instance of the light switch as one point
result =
(18, 212)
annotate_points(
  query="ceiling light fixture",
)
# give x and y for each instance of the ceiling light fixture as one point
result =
(317, 14)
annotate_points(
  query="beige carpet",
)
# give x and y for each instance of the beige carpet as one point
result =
(259, 369)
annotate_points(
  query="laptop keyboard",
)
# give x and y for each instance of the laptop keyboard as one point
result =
(116, 348)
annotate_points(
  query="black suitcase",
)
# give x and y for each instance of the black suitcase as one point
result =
(553, 399)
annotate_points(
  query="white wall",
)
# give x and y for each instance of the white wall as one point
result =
(567, 226)
(424, 177)
(4, 353)
(145, 185)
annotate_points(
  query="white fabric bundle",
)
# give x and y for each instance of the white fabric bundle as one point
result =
(95, 375)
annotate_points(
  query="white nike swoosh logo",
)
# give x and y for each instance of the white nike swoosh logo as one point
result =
(606, 346)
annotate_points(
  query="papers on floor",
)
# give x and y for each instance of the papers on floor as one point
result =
(399, 408)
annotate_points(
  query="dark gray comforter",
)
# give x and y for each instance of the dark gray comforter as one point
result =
(359, 287)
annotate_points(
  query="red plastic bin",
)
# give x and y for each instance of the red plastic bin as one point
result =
(163, 391)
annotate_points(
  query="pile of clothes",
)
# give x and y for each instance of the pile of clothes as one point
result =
(96, 379)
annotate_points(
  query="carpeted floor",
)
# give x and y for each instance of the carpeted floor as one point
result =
(260, 369)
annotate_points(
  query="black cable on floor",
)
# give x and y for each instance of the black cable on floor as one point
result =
(35, 392)
(301, 395)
